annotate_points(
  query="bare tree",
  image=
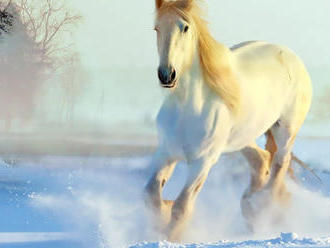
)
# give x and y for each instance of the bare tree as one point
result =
(4, 5)
(47, 23)
(35, 41)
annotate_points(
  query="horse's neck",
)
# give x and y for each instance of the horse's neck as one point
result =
(192, 90)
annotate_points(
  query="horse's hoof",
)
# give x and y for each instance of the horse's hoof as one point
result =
(282, 197)
(265, 206)
(166, 212)
(174, 233)
(253, 203)
(163, 215)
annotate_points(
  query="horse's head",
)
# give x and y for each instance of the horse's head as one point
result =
(176, 40)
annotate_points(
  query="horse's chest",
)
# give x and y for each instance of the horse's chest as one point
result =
(187, 133)
(191, 130)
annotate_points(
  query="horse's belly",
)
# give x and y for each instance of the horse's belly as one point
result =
(240, 138)
(263, 102)
(253, 125)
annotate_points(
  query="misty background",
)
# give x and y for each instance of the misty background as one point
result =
(104, 101)
(112, 94)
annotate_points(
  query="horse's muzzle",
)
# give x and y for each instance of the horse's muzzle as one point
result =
(167, 76)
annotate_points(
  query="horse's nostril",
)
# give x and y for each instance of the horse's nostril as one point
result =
(160, 75)
(173, 75)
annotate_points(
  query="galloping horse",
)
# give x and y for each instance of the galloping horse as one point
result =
(221, 100)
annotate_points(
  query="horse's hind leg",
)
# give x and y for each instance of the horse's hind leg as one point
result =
(163, 169)
(268, 171)
(259, 161)
(271, 146)
(286, 129)
(284, 136)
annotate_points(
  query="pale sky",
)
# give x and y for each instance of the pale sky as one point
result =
(120, 33)
(117, 45)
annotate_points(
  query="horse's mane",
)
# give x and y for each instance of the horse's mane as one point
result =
(214, 57)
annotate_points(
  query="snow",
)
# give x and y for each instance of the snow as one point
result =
(31, 237)
(77, 201)
(285, 240)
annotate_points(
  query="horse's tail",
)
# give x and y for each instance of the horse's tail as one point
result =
(303, 165)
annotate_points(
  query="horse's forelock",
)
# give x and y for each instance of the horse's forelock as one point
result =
(182, 7)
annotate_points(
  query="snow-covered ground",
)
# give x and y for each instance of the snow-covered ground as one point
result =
(69, 202)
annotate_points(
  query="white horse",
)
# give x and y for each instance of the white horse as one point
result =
(221, 100)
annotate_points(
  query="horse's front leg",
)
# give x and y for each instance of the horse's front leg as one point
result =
(163, 167)
(183, 206)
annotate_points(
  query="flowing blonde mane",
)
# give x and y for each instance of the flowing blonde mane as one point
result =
(214, 57)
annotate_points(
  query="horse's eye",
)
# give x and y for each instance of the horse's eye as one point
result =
(186, 28)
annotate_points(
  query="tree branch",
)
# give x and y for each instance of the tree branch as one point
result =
(46, 24)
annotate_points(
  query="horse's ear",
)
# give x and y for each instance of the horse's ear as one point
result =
(159, 4)
(184, 4)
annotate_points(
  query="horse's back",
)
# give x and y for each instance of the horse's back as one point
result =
(252, 56)
(259, 53)
(261, 65)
